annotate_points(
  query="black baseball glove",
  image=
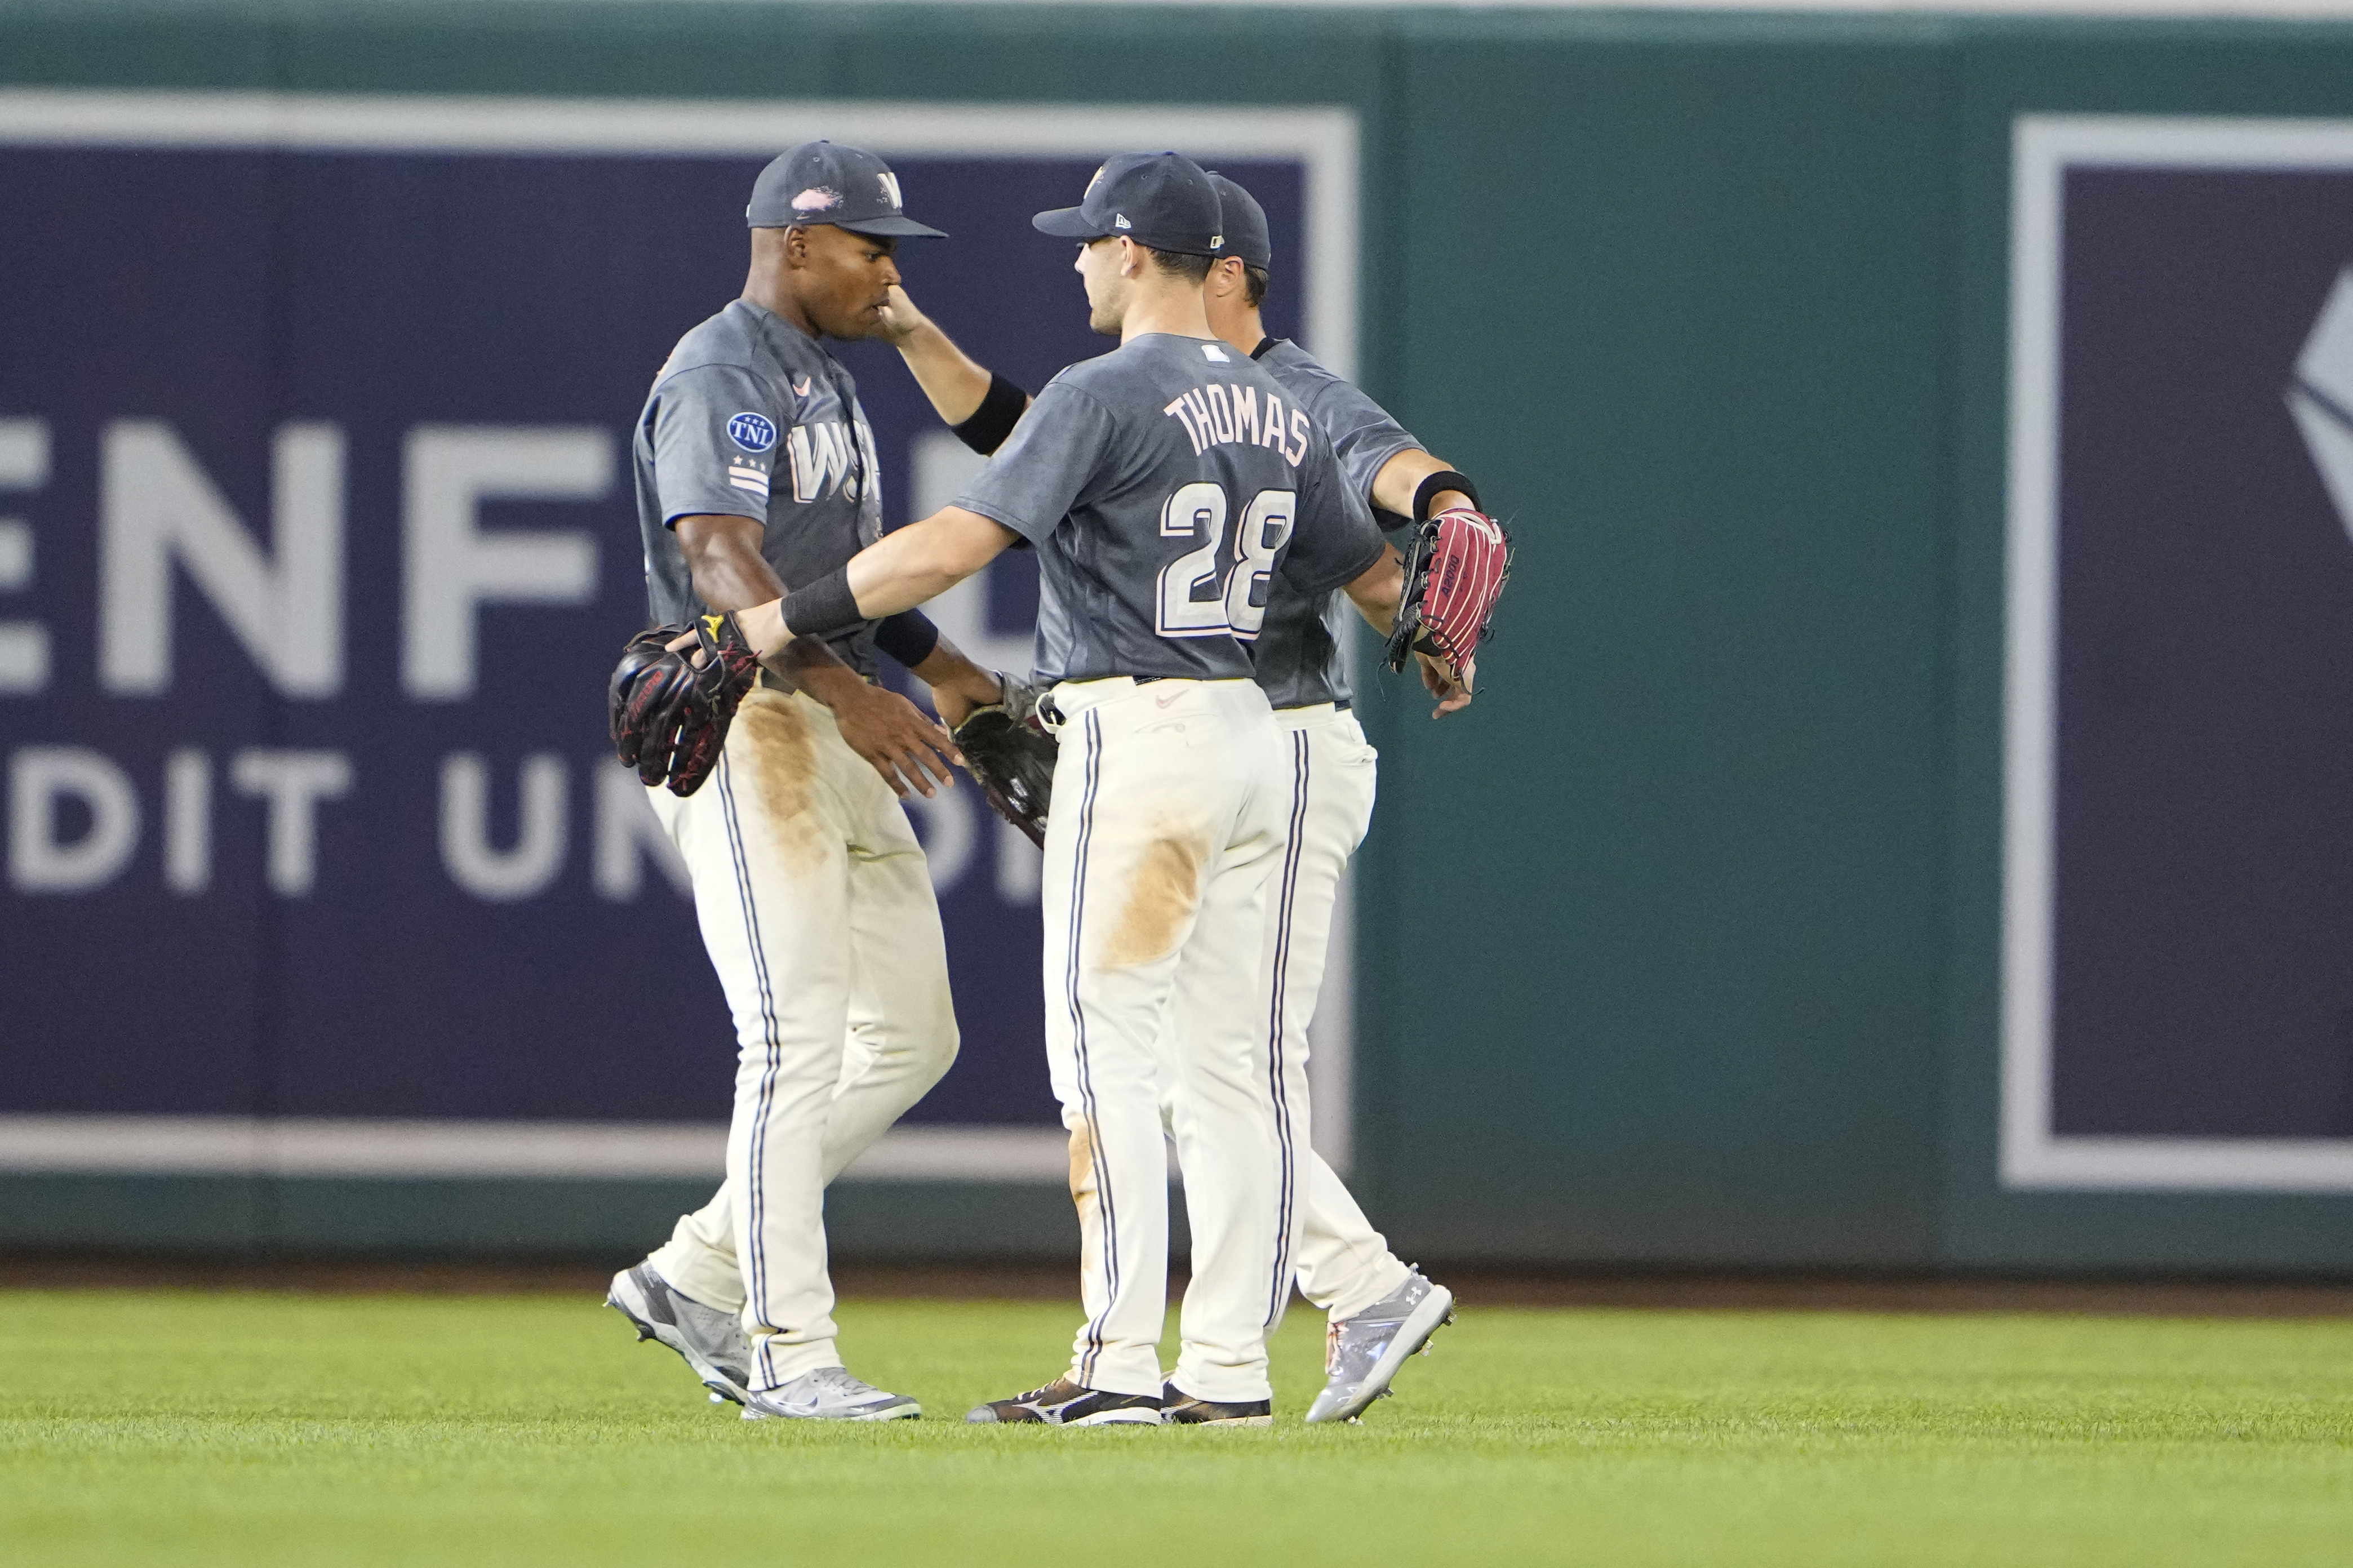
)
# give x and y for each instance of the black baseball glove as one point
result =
(670, 708)
(1012, 757)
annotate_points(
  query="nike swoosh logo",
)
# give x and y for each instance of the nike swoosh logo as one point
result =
(1164, 702)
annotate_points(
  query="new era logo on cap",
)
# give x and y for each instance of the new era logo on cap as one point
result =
(1159, 199)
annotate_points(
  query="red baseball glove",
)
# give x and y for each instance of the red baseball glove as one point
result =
(1455, 568)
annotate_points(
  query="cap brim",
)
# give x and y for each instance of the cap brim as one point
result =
(1068, 223)
(895, 228)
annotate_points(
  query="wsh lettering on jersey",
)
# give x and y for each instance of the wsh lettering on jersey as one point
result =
(828, 454)
(1221, 413)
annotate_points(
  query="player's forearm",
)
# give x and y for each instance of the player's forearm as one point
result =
(1376, 592)
(959, 685)
(951, 378)
(897, 572)
(1394, 486)
(811, 665)
(724, 560)
(948, 665)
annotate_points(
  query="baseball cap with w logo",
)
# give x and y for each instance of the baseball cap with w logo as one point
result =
(825, 183)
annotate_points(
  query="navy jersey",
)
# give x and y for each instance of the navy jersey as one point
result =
(1169, 486)
(1299, 660)
(751, 417)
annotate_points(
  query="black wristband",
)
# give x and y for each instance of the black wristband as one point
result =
(1444, 480)
(994, 420)
(824, 608)
(908, 636)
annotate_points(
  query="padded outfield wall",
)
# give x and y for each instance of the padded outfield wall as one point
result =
(1902, 831)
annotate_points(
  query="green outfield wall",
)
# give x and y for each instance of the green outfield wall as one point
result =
(1684, 948)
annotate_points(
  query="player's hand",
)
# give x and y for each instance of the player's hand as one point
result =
(1453, 696)
(892, 734)
(955, 699)
(900, 319)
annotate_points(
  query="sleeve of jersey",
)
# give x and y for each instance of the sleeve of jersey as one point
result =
(1364, 436)
(1038, 474)
(1334, 540)
(716, 439)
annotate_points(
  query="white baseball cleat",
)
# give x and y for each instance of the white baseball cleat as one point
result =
(711, 1341)
(1364, 1351)
(829, 1394)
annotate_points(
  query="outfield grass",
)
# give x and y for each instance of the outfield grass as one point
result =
(179, 1426)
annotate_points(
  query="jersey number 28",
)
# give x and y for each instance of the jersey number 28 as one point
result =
(1203, 593)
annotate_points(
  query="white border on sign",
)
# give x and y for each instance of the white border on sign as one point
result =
(2044, 148)
(1323, 139)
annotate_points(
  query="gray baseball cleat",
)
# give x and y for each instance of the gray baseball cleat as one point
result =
(829, 1394)
(710, 1340)
(1364, 1351)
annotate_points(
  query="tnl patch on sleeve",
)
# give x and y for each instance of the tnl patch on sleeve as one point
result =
(753, 432)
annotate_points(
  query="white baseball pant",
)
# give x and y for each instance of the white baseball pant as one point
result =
(816, 908)
(1165, 835)
(1329, 776)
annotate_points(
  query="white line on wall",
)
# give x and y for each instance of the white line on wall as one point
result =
(357, 1146)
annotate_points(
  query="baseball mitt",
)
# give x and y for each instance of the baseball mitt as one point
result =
(1455, 567)
(1012, 757)
(671, 708)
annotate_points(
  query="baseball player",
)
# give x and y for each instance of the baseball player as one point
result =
(1380, 1310)
(1166, 486)
(756, 469)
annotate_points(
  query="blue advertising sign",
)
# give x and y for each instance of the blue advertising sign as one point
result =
(2180, 1003)
(318, 547)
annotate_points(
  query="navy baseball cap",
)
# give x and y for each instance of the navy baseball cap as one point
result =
(821, 182)
(1244, 222)
(1159, 199)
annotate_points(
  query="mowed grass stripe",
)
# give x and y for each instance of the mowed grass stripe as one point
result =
(185, 1426)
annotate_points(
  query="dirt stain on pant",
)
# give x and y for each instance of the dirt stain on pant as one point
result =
(778, 749)
(1167, 885)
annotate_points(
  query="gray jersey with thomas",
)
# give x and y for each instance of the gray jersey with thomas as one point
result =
(751, 417)
(1299, 659)
(1170, 486)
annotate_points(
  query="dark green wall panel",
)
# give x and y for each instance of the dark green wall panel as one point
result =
(1695, 343)
(518, 1219)
(66, 43)
(221, 1215)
